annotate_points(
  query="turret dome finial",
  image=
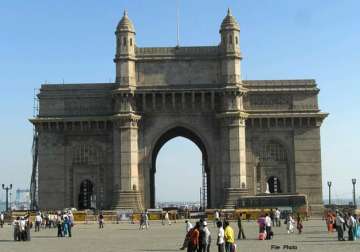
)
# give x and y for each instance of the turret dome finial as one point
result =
(229, 22)
(125, 23)
(229, 12)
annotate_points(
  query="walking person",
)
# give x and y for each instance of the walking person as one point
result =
(188, 227)
(229, 237)
(167, 218)
(2, 219)
(290, 224)
(241, 228)
(38, 221)
(262, 229)
(330, 222)
(221, 237)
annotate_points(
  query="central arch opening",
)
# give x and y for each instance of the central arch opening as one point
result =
(176, 173)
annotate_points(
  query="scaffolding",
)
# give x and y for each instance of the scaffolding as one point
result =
(203, 189)
(34, 151)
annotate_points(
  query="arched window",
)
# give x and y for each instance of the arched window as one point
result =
(124, 41)
(236, 40)
(130, 41)
(272, 151)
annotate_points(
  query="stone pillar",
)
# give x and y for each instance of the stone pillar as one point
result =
(235, 163)
(126, 177)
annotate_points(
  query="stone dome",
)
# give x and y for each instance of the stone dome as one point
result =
(125, 24)
(229, 22)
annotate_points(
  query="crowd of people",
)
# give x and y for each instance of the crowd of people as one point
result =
(342, 222)
(267, 221)
(198, 238)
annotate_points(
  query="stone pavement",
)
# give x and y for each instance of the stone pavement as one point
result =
(126, 237)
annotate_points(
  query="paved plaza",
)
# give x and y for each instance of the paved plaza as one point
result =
(127, 237)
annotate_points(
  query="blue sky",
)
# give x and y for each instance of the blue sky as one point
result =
(74, 40)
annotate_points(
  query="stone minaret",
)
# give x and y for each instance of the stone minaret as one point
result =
(230, 48)
(125, 52)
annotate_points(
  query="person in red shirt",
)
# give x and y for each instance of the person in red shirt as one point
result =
(194, 238)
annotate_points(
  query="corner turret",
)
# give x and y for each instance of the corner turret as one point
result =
(125, 51)
(230, 48)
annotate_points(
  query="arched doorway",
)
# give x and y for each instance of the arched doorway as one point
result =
(274, 184)
(167, 136)
(86, 195)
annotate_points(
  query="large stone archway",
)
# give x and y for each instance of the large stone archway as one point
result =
(162, 140)
(163, 92)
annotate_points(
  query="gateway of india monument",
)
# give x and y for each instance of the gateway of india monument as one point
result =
(98, 142)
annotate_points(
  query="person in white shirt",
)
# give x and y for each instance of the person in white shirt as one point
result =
(268, 226)
(216, 217)
(167, 218)
(38, 221)
(207, 243)
(277, 217)
(2, 218)
(290, 224)
(351, 222)
(339, 221)
(188, 227)
(220, 239)
(22, 229)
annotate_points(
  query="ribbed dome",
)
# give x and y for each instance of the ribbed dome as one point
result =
(125, 24)
(229, 22)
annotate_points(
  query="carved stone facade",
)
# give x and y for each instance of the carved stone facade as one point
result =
(99, 142)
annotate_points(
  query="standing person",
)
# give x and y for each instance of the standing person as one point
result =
(272, 217)
(207, 241)
(59, 224)
(16, 225)
(277, 217)
(22, 229)
(101, 220)
(229, 237)
(339, 226)
(299, 224)
(204, 237)
(193, 244)
(330, 222)
(262, 230)
(290, 224)
(220, 238)
(142, 221)
(241, 228)
(351, 222)
(268, 223)
(38, 221)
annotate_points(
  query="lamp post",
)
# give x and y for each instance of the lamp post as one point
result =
(329, 183)
(7, 188)
(354, 199)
